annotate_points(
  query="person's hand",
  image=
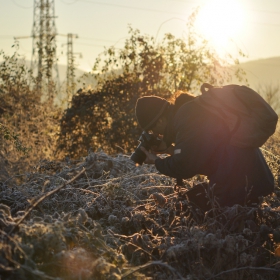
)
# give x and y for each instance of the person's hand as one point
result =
(159, 149)
(163, 149)
(150, 157)
(170, 150)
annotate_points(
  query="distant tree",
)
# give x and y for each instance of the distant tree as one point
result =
(103, 117)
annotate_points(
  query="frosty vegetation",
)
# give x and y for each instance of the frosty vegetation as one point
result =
(102, 217)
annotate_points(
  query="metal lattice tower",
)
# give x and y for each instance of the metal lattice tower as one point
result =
(70, 65)
(44, 61)
(70, 84)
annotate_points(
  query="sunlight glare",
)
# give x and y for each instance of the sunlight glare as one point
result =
(220, 21)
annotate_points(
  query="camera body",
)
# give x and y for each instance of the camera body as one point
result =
(147, 141)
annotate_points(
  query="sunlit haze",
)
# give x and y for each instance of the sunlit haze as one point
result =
(252, 25)
(221, 22)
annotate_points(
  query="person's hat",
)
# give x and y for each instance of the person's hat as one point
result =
(148, 109)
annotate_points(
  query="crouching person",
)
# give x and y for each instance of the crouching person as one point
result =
(198, 142)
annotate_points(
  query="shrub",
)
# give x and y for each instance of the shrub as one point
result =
(26, 122)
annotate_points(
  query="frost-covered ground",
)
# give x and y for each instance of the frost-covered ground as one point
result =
(102, 217)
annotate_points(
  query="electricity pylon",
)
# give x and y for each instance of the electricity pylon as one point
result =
(70, 84)
(44, 60)
(70, 63)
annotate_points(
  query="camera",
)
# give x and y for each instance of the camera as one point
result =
(147, 141)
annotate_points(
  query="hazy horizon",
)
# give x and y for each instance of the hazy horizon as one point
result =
(252, 25)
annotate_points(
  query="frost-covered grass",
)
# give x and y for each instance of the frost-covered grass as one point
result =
(102, 217)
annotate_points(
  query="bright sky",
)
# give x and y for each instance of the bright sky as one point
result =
(252, 25)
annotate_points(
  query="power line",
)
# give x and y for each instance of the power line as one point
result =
(20, 6)
(75, 1)
(96, 39)
(6, 37)
(93, 45)
(151, 10)
(167, 12)
(129, 7)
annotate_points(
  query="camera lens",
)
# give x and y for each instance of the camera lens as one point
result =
(138, 156)
(146, 140)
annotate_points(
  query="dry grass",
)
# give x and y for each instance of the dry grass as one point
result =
(101, 217)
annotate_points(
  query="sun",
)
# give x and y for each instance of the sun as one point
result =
(220, 21)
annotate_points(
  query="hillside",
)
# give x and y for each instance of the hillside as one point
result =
(259, 72)
(262, 72)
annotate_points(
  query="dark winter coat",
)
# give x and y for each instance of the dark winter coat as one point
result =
(202, 147)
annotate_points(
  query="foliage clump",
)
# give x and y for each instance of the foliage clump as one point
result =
(29, 124)
(95, 118)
